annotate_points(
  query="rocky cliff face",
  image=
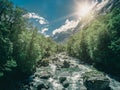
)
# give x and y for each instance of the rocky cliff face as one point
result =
(100, 7)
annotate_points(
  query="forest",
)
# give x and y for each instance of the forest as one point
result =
(22, 47)
(99, 42)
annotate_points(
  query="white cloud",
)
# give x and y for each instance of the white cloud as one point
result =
(44, 30)
(68, 25)
(38, 18)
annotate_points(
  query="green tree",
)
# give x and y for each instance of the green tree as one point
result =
(6, 46)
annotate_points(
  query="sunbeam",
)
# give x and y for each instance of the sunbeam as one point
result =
(84, 8)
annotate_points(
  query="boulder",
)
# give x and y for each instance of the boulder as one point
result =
(45, 75)
(95, 80)
(66, 64)
(54, 59)
(42, 86)
(62, 79)
(65, 84)
(43, 62)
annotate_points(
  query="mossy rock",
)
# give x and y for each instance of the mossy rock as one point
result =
(95, 80)
(43, 62)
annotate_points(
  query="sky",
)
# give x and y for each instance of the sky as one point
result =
(56, 16)
(49, 15)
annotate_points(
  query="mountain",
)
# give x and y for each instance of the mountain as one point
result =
(62, 37)
(101, 7)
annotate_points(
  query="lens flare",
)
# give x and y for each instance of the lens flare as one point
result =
(83, 10)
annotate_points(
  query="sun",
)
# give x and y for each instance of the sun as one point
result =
(83, 9)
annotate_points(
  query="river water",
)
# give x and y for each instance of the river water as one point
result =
(62, 76)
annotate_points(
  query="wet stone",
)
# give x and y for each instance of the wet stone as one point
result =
(65, 84)
(62, 79)
(66, 73)
(42, 86)
(45, 75)
(66, 64)
(96, 81)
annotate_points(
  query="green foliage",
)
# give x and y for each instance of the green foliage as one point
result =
(6, 46)
(28, 50)
(77, 46)
(48, 47)
(99, 43)
(21, 45)
(98, 40)
(10, 64)
(1, 74)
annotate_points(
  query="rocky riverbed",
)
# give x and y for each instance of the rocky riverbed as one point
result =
(62, 72)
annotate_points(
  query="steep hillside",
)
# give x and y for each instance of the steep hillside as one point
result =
(100, 7)
(99, 42)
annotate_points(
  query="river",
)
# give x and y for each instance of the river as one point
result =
(62, 73)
